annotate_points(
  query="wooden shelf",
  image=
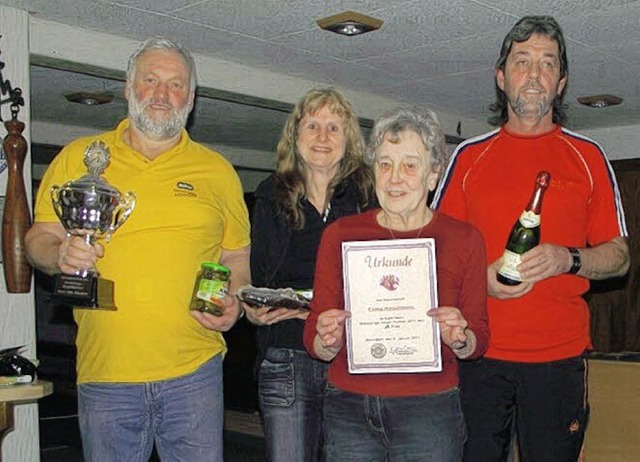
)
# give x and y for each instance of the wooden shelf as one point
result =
(26, 392)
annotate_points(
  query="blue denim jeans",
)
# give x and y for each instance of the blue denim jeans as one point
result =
(119, 422)
(370, 428)
(290, 387)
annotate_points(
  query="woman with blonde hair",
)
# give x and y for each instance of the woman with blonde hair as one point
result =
(320, 177)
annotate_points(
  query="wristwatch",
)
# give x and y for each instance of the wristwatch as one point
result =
(577, 260)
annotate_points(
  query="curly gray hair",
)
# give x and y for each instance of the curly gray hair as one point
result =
(422, 121)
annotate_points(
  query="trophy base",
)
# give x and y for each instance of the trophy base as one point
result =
(89, 292)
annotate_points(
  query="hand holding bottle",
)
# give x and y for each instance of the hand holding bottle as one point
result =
(541, 262)
(502, 291)
(544, 261)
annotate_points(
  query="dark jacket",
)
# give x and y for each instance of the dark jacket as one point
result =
(271, 235)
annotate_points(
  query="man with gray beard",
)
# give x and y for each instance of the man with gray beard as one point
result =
(533, 375)
(151, 371)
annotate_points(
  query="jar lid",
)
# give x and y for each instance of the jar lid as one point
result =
(215, 267)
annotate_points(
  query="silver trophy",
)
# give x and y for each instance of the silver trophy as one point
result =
(93, 209)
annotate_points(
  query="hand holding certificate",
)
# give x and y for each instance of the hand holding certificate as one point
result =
(389, 287)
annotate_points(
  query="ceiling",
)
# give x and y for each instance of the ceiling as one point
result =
(438, 53)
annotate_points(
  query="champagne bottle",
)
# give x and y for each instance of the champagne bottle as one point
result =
(525, 234)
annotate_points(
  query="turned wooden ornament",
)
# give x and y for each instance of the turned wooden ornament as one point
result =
(16, 218)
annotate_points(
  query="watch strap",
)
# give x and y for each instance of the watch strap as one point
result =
(577, 260)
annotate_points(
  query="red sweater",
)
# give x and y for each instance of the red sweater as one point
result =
(488, 183)
(461, 272)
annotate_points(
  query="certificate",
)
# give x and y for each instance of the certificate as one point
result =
(388, 288)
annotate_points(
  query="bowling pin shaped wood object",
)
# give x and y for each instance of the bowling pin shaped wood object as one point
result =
(16, 218)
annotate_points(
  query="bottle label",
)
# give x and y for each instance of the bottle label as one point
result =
(510, 260)
(212, 290)
(528, 219)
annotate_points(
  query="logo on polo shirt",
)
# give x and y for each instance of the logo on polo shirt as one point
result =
(184, 189)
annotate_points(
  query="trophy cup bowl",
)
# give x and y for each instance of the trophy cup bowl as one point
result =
(90, 208)
(87, 209)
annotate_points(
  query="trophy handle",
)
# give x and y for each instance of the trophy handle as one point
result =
(121, 213)
(55, 200)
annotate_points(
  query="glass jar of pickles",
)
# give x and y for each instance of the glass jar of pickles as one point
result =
(212, 284)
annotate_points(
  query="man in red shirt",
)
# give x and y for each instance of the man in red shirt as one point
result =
(534, 370)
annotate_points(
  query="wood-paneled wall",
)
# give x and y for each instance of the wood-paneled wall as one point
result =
(615, 303)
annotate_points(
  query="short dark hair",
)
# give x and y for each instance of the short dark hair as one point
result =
(521, 32)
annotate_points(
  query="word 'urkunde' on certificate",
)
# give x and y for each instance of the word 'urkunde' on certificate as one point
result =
(388, 288)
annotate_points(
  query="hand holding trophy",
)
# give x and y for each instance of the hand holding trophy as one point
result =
(93, 209)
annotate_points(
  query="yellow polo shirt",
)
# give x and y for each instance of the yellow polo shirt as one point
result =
(189, 206)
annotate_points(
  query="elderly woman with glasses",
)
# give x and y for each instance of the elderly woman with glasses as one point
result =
(401, 416)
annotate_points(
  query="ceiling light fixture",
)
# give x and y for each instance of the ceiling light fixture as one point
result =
(599, 101)
(349, 23)
(90, 98)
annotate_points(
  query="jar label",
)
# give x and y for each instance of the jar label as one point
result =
(212, 290)
(510, 260)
